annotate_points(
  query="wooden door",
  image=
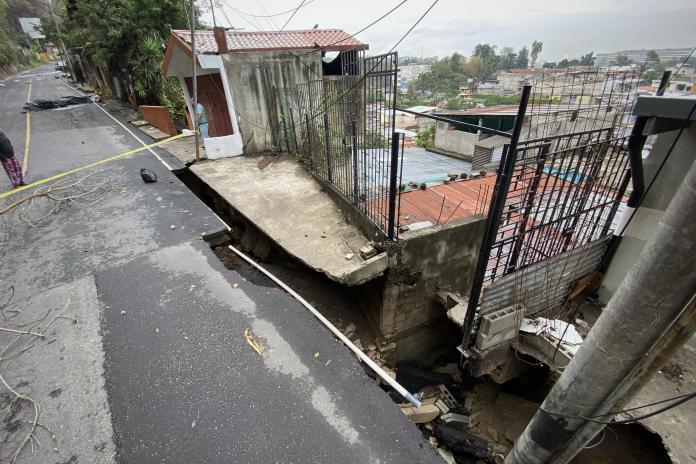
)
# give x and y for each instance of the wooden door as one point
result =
(212, 96)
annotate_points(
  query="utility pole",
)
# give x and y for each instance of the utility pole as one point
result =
(60, 40)
(194, 81)
(650, 315)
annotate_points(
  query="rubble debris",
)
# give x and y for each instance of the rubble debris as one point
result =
(442, 406)
(447, 397)
(673, 371)
(421, 415)
(551, 341)
(447, 455)
(463, 444)
(349, 330)
(459, 421)
(368, 251)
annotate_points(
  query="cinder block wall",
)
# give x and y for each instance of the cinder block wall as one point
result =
(425, 262)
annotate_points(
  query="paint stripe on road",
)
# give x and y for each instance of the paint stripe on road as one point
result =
(90, 165)
(27, 138)
(123, 126)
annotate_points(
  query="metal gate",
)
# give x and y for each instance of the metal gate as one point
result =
(553, 195)
(348, 139)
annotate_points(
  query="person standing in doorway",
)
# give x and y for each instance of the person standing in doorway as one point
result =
(9, 161)
(202, 121)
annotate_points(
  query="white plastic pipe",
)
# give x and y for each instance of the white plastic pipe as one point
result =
(358, 352)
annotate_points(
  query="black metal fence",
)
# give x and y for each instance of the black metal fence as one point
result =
(563, 193)
(343, 131)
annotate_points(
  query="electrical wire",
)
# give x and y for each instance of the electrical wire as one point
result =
(358, 82)
(676, 401)
(267, 15)
(293, 14)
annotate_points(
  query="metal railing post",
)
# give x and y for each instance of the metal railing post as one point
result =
(356, 181)
(393, 172)
(327, 143)
(507, 166)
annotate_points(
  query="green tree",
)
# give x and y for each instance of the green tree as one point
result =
(549, 65)
(587, 60)
(622, 60)
(652, 57)
(456, 62)
(536, 49)
(426, 136)
(522, 60)
(507, 58)
(484, 62)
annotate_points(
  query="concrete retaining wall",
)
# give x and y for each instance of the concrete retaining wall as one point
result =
(253, 78)
(425, 262)
(454, 142)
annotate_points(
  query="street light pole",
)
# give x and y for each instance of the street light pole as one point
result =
(194, 83)
(60, 40)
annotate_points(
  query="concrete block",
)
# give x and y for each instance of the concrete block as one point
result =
(368, 251)
(502, 320)
(425, 413)
(447, 397)
(444, 409)
(499, 327)
(456, 420)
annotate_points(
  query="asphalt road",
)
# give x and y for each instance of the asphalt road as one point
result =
(158, 369)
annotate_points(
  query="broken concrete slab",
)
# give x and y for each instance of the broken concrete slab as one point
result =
(153, 132)
(421, 415)
(281, 199)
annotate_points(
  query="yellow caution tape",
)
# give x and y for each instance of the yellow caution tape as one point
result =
(90, 165)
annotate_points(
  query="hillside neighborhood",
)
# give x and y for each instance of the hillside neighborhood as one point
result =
(265, 232)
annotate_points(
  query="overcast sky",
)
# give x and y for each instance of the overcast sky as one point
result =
(568, 28)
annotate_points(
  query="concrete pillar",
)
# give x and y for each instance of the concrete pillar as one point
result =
(644, 307)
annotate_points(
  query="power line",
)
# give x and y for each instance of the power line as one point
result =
(675, 401)
(359, 81)
(293, 14)
(268, 15)
(269, 19)
(254, 26)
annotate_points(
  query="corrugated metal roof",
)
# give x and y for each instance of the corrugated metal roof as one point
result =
(493, 142)
(326, 39)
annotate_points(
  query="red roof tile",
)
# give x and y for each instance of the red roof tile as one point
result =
(327, 39)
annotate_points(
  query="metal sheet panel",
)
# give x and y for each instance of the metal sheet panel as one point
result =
(543, 285)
